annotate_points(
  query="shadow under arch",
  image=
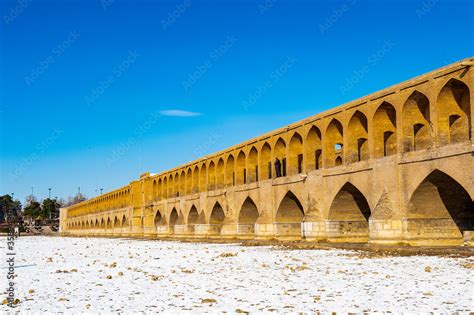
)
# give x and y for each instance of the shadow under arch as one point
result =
(349, 215)
(247, 218)
(289, 217)
(440, 208)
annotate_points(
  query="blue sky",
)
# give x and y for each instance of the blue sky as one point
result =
(94, 92)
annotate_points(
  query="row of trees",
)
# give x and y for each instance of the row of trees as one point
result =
(47, 209)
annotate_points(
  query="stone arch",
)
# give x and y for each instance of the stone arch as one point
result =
(416, 123)
(290, 209)
(159, 219)
(182, 183)
(196, 179)
(295, 154)
(189, 181)
(349, 204)
(248, 213)
(116, 222)
(102, 223)
(279, 152)
(229, 171)
(96, 223)
(241, 169)
(333, 139)
(453, 111)
(357, 138)
(289, 216)
(203, 178)
(193, 216)
(176, 185)
(124, 220)
(174, 217)
(220, 174)
(109, 223)
(445, 203)
(154, 193)
(313, 149)
(211, 176)
(165, 187)
(217, 214)
(252, 162)
(170, 186)
(385, 130)
(349, 215)
(266, 161)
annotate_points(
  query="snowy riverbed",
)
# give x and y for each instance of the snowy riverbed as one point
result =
(120, 275)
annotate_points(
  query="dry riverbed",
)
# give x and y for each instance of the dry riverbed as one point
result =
(57, 274)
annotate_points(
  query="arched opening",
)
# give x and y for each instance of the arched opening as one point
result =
(453, 108)
(248, 215)
(196, 179)
(289, 216)
(349, 215)
(102, 223)
(295, 154)
(182, 184)
(313, 149)
(220, 173)
(124, 221)
(385, 130)
(154, 195)
(266, 162)
(248, 212)
(252, 162)
(358, 146)
(159, 219)
(116, 222)
(109, 223)
(416, 123)
(211, 180)
(229, 171)
(217, 215)
(173, 217)
(189, 182)
(241, 170)
(193, 216)
(333, 138)
(203, 178)
(440, 208)
(96, 223)
(280, 158)
(176, 185)
(170, 186)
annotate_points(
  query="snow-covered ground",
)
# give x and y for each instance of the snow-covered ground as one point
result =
(119, 275)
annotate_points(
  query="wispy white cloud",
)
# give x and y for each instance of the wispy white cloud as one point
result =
(178, 113)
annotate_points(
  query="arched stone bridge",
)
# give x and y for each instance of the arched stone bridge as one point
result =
(392, 167)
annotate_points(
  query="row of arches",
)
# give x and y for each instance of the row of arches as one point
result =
(438, 196)
(112, 200)
(103, 223)
(390, 130)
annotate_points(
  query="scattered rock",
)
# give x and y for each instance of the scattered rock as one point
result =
(427, 269)
(208, 301)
